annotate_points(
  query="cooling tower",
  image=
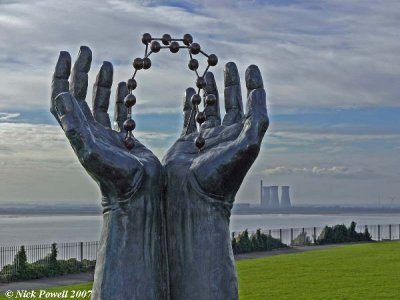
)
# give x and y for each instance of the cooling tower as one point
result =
(274, 198)
(265, 196)
(285, 197)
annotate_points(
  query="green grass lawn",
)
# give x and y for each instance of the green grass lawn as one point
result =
(363, 271)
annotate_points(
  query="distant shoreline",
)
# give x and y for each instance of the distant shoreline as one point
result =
(248, 211)
(50, 211)
(318, 211)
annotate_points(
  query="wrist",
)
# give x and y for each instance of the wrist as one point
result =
(112, 203)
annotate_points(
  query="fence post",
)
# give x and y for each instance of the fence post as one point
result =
(291, 236)
(390, 231)
(315, 234)
(379, 232)
(81, 247)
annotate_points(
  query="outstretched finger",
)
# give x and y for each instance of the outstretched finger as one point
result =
(189, 113)
(60, 82)
(212, 112)
(101, 94)
(256, 108)
(233, 95)
(120, 111)
(73, 123)
(79, 79)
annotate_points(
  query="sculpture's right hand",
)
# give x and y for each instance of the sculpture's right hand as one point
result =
(100, 149)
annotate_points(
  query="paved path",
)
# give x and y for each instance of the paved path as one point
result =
(47, 282)
(284, 251)
(86, 277)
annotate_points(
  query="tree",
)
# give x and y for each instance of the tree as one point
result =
(20, 263)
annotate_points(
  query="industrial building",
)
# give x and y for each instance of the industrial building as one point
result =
(270, 196)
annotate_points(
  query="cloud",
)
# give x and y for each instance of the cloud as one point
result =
(314, 55)
(6, 117)
(310, 136)
(320, 54)
(332, 171)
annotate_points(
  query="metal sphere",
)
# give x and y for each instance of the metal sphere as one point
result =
(146, 63)
(196, 99)
(166, 39)
(129, 125)
(212, 60)
(193, 64)
(200, 142)
(131, 84)
(138, 63)
(187, 39)
(146, 38)
(195, 48)
(174, 47)
(200, 82)
(200, 117)
(129, 142)
(155, 46)
(130, 100)
(211, 99)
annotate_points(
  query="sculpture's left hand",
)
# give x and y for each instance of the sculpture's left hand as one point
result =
(231, 148)
(120, 173)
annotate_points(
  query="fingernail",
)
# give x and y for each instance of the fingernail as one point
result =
(84, 60)
(64, 104)
(187, 100)
(211, 86)
(231, 74)
(63, 66)
(105, 76)
(122, 91)
(253, 78)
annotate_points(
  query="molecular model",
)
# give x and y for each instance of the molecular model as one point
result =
(145, 63)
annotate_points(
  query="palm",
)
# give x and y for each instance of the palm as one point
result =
(100, 149)
(231, 148)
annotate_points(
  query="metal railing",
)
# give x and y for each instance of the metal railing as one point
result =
(288, 235)
(77, 255)
(85, 253)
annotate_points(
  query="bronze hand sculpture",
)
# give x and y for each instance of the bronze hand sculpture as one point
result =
(198, 187)
(130, 263)
(201, 188)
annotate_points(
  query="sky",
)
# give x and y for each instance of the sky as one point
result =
(331, 71)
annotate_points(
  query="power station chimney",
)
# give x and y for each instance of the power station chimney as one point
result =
(285, 197)
(274, 200)
(266, 196)
(261, 192)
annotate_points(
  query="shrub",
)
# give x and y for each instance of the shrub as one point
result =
(302, 240)
(259, 241)
(243, 244)
(20, 264)
(342, 234)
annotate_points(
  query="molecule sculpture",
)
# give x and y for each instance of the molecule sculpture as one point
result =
(145, 63)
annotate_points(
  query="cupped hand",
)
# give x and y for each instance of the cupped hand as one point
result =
(231, 147)
(120, 173)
